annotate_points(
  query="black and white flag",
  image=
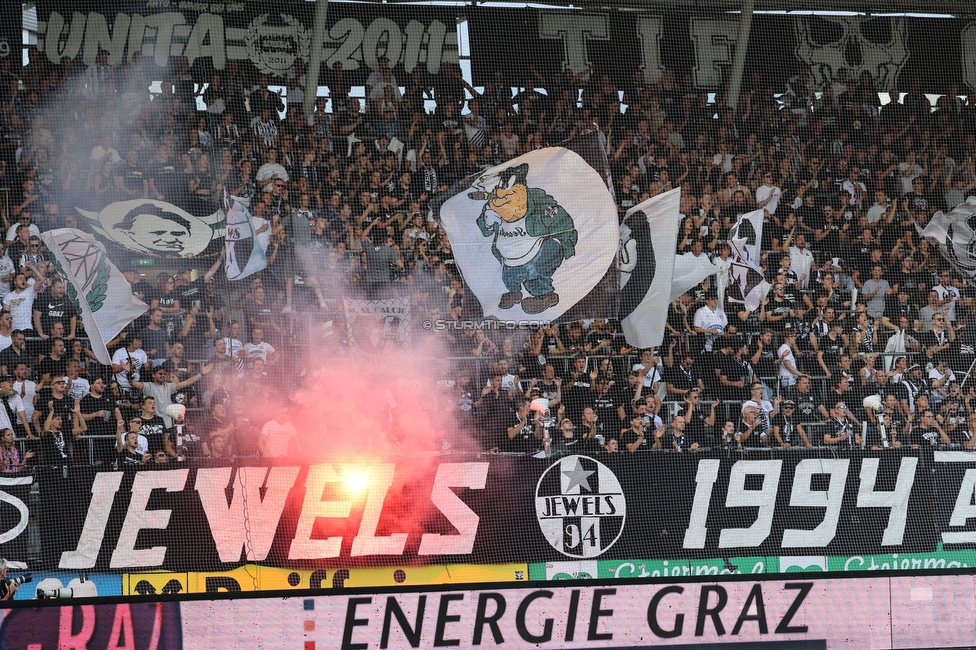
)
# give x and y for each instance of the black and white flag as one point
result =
(746, 284)
(955, 235)
(648, 242)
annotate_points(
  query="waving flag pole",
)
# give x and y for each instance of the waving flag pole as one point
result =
(99, 291)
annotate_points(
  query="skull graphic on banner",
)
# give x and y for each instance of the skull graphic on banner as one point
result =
(878, 45)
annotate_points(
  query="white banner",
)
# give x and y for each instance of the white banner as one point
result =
(100, 292)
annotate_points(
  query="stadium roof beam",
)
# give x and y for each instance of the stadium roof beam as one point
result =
(957, 8)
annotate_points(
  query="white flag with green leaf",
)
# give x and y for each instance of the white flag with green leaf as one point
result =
(100, 292)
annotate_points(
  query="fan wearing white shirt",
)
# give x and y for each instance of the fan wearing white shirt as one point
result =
(234, 348)
(258, 348)
(275, 436)
(26, 389)
(881, 206)
(767, 194)
(128, 361)
(20, 302)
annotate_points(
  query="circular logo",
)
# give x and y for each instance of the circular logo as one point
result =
(273, 48)
(580, 507)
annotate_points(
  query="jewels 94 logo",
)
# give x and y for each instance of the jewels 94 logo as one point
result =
(580, 507)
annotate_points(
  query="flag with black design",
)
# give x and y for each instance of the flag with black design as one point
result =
(535, 238)
(100, 292)
(955, 236)
(245, 254)
(648, 243)
(746, 283)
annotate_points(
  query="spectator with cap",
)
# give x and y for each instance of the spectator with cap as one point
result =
(786, 428)
(844, 430)
(193, 290)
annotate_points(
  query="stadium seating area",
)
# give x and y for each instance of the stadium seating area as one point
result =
(859, 303)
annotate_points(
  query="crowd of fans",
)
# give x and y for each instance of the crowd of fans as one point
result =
(859, 303)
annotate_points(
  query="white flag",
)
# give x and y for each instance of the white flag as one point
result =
(955, 235)
(536, 237)
(245, 247)
(746, 284)
(648, 242)
(689, 271)
(100, 292)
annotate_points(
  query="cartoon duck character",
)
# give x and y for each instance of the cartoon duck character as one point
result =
(532, 234)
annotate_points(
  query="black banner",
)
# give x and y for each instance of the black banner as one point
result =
(894, 50)
(269, 37)
(11, 35)
(212, 517)
(955, 490)
(937, 51)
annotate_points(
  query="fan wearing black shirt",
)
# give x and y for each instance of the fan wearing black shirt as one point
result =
(524, 434)
(130, 179)
(696, 422)
(682, 379)
(127, 450)
(609, 400)
(14, 353)
(54, 396)
(762, 355)
(188, 291)
(494, 409)
(843, 428)
(732, 369)
(785, 428)
(154, 429)
(895, 309)
(166, 177)
(577, 390)
(53, 366)
(751, 430)
(97, 409)
(634, 437)
(57, 446)
(53, 306)
(927, 432)
(808, 403)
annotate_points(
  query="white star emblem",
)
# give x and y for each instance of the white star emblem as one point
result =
(578, 476)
